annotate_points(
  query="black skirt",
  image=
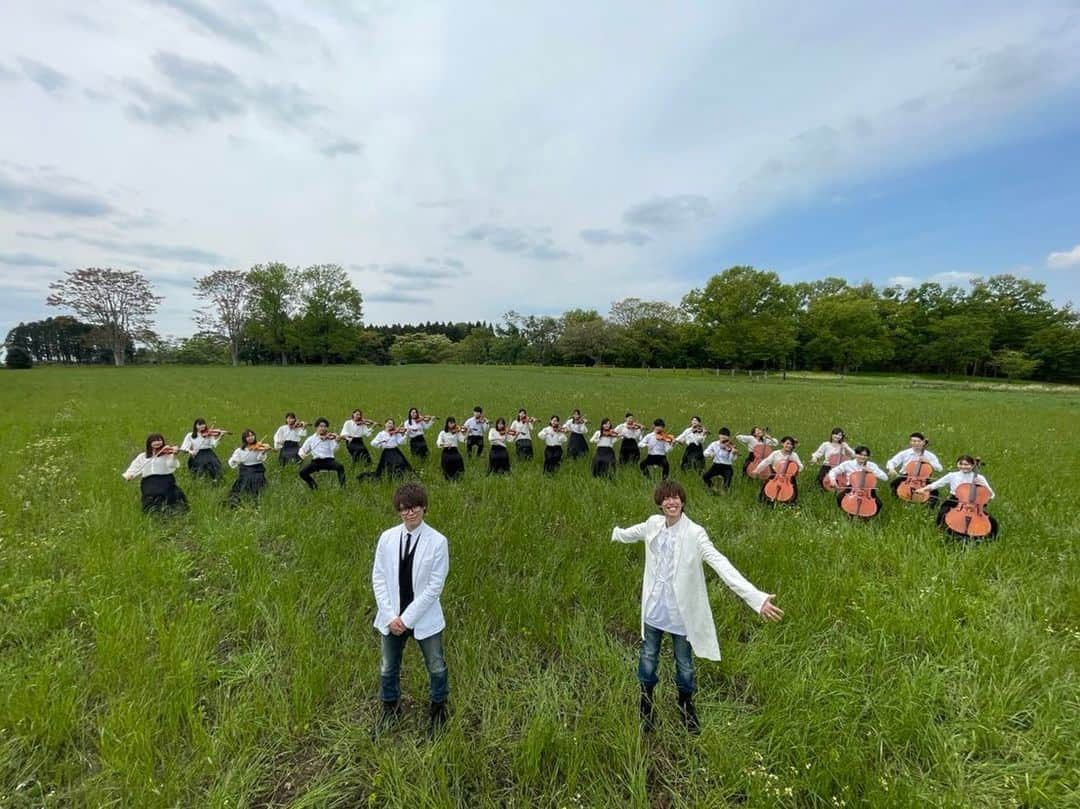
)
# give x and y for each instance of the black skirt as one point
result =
(603, 465)
(290, 452)
(523, 448)
(418, 446)
(629, 451)
(205, 463)
(160, 493)
(694, 457)
(392, 464)
(453, 466)
(357, 450)
(822, 474)
(250, 480)
(552, 459)
(498, 460)
(577, 446)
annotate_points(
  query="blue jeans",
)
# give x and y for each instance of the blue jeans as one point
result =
(390, 673)
(649, 659)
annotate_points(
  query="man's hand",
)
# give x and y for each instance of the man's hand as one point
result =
(769, 611)
(397, 626)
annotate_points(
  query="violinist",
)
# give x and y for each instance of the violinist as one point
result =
(415, 425)
(723, 452)
(693, 438)
(757, 443)
(577, 425)
(522, 428)
(966, 473)
(846, 471)
(603, 465)
(907, 460)
(355, 430)
(392, 461)
(657, 445)
(199, 445)
(157, 479)
(474, 432)
(321, 447)
(498, 457)
(553, 437)
(831, 454)
(451, 437)
(288, 438)
(777, 465)
(248, 460)
(630, 433)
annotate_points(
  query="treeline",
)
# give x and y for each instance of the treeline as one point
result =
(741, 318)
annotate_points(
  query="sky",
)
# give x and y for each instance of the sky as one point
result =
(464, 159)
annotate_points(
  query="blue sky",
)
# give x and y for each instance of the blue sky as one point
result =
(462, 159)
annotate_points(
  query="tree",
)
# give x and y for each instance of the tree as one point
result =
(420, 347)
(958, 343)
(18, 358)
(847, 332)
(584, 333)
(203, 348)
(1014, 364)
(228, 293)
(120, 303)
(273, 300)
(331, 315)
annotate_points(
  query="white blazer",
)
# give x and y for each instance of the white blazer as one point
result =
(431, 563)
(692, 547)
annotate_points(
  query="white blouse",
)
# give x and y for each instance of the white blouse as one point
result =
(497, 439)
(318, 447)
(551, 437)
(143, 467)
(954, 479)
(828, 449)
(751, 441)
(351, 429)
(719, 454)
(246, 457)
(523, 430)
(449, 440)
(689, 436)
(602, 440)
(654, 445)
(634, 434)
(385, 440)
(415, 428)
(849, 467)
(898, 461)
(198, 443)
(286, 433)
(778, 455)
(578, 427)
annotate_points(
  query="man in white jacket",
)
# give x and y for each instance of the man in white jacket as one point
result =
(674, 598)
(411, 563)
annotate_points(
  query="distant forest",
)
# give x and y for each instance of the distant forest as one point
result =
(741, 318)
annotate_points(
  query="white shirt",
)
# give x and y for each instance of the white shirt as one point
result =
(752, 441)
(654, 445)
(431, 564)
(474, 425)
(689, 436)
(447, 440)
(246, 457)
(351, 429)
(415, 428)
(496, 438)
(198, 443)
(954, 479)
(719, 454)
(551, 437)
(661, 606)
(286, 433)
(578, 427)
(143, 467)
(634, 434)
(828, 451)
(385, 440)
(849, 467)
(778, 456)
(318, 447)
(602, 440)
(523, 430)
(898, 461)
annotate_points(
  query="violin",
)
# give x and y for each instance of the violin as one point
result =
(917, 473)
(968, 518)
(780, 487)
(167, 450)
(213, 432)
(729, 445)
(666, 437)
(859, 500)
(332, 437)
(633, 425)
(259, 446)
(608, 432)
(297, 425)
(368, 422)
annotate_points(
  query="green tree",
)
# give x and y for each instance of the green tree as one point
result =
(958, 343)
(418, 347)
(227, 293)
(584, 334)
(327, 328)
(273, 300)
(18, 358)
(1014, 364)
(846, 332)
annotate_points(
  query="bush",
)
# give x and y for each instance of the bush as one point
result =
(19, 357)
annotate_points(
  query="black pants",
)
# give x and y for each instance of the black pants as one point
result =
(290, 453)
(603, 465)
(474, 442)
(453, 466)
(160, 493)
(250, 480)
(552, 459)
(693, 458)
(498, 460)
(823, 472)
(655, 460)
(577, 447)
(721, 470)
(205, 463)
(321, 465)
(523, 449)
(357, 450)
(629, 451)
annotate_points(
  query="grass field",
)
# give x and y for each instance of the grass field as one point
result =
(226, 658)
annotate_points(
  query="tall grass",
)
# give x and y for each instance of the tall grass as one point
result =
(226, 657)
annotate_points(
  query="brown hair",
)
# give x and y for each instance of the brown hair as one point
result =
(409, 495)
(669, 488)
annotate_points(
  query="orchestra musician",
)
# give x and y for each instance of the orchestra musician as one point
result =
(355, 430)
(498, 456)
(288, 438)
(321, 447)
(916, 451)
(577, 424)
(831, 454)
(965, 473)
(450, 439)
(553, 436)
(155, 468)
(723, 452)
(847, 469)
(768, 467)
(630, 433)
(474, 432)
(603, 465)
(522, 427)
(199, 445)
(392, 462)
(757, 443)
(415, 425)
(248, 460)
(657, 445)
(693, 438)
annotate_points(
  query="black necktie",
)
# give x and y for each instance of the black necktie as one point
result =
(405, 552)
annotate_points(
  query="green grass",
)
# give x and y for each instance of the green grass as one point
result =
(226, 658)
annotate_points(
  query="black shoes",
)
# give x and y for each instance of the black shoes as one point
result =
(689, 713)
(390, 712)
(437, 717)
(646, 708)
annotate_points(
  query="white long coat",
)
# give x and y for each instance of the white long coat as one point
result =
(431, 563)
(692, 547)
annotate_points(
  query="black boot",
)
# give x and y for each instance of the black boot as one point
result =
(646, 707)
(390, 712)
(689, 713)
(437, 717)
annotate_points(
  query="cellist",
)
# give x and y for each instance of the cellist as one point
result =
(917, 451)
(779, 460)
(861, 463)
(831, 454)
(965, 473)
(757, 442)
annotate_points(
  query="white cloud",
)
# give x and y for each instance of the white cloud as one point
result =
(1068, 258)
(905, 281)
(953, 279)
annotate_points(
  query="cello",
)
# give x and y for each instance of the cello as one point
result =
(758, 454)
(780, 487)
(831, 462)
(859, 499)
(917, 473)
(967, 517)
